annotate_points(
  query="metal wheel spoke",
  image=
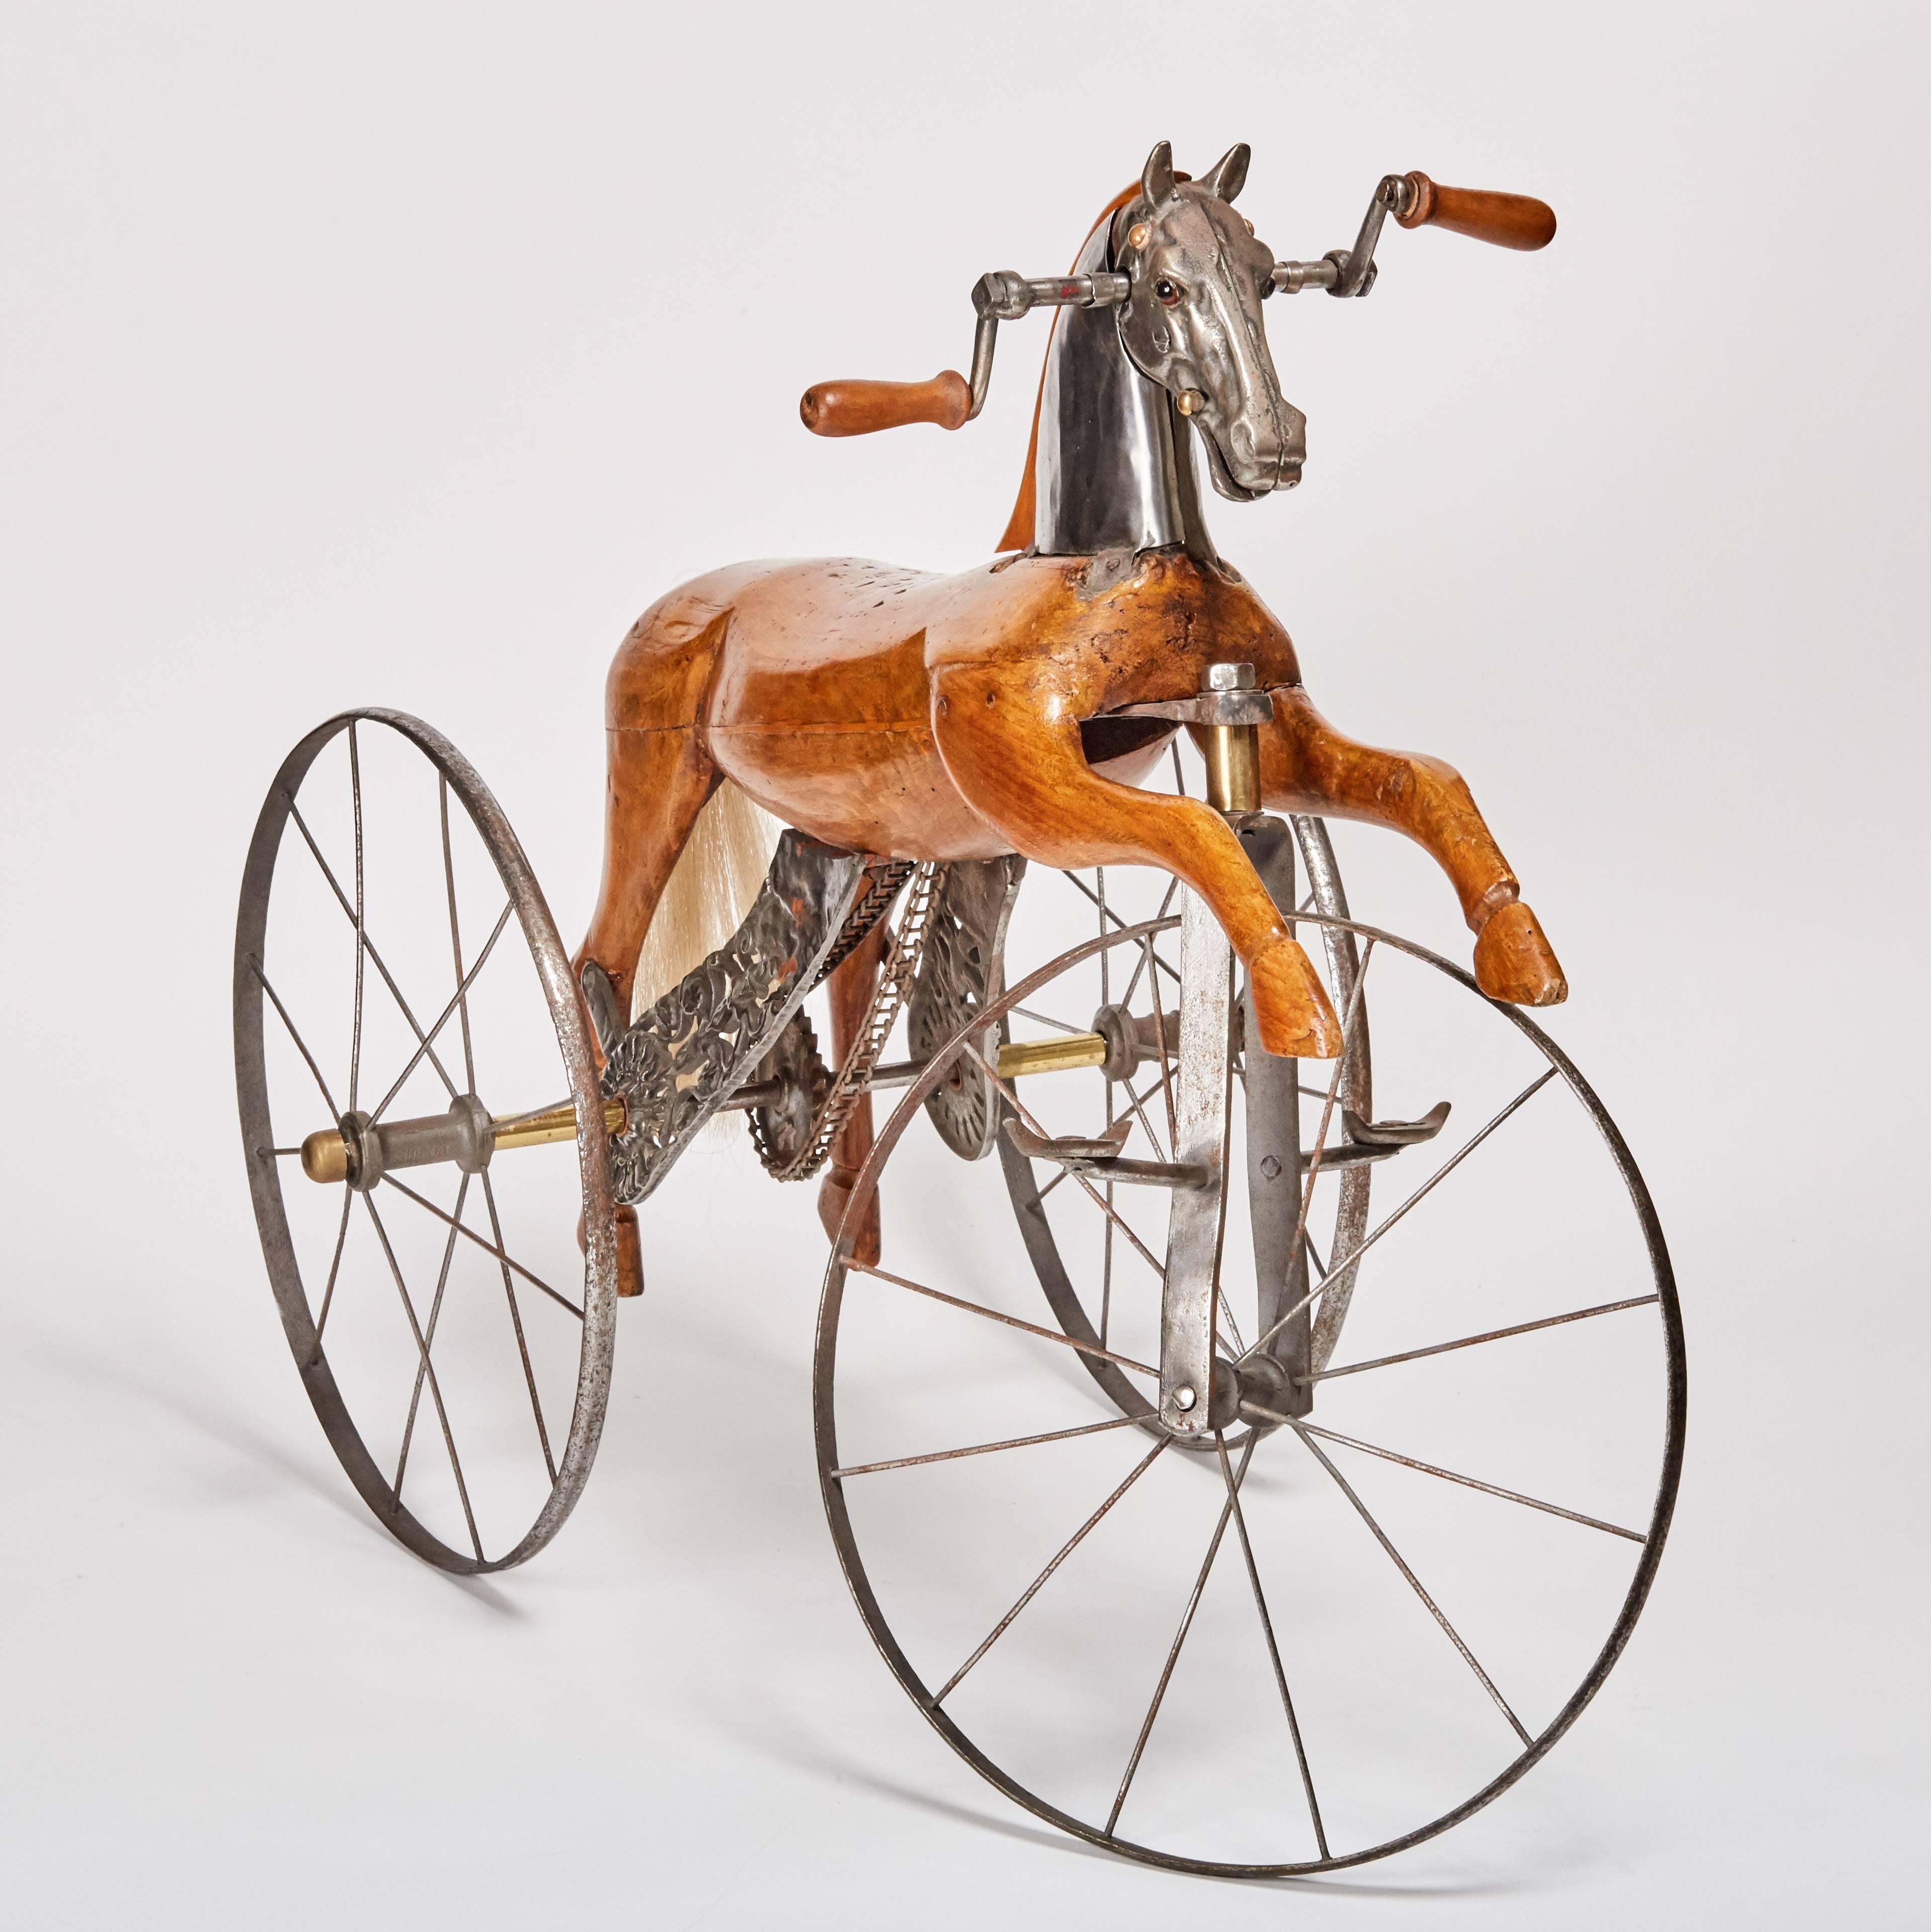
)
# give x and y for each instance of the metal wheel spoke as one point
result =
(488, 1247)
(1475, 1341)
(1468, 1482)
(1066, 1549)
(1267, 1630)
(368, 945)
(435, 1388)
(1226, 1314)
(1488, 1683)
(355, 1033)
(1166, 1059)
(301, 1044)
(516, 1322)
(1105, 1269)
(1179, 1637)
(1427, 1187)
(335, 1264)
(455, 932)
(1106, 957)
(986, 1448)
(1092, 1192)
(1140, 965)
(456, 1000)
(1046, 1020)
(1011, 1321)
(1136, 1103)
(429, 1332)
(1107, 913)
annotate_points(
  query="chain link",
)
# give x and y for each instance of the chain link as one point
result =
(894, 981)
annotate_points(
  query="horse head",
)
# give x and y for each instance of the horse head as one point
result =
(1192, 323)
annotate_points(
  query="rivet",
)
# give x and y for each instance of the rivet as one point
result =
(1270, 1167)
(1184, 1398)
(1138, 235)
(1191, 402)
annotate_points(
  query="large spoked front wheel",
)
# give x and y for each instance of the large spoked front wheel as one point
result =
(1382, 1587)
(426, 1142)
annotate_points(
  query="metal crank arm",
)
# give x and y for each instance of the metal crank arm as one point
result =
(1505, 220)
(856, 407)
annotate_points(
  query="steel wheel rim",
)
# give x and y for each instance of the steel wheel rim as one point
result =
(539, 934)
(1675, 1396)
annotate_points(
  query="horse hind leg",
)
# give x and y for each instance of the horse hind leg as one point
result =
(850, 989)
(1308, 766)
(659, 782)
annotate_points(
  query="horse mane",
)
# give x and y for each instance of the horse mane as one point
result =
(1019, 525)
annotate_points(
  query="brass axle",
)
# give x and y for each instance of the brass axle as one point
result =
(327, 1155)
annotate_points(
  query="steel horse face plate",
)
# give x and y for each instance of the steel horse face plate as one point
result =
(1193, 322)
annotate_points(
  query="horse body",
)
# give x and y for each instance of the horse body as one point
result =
(963, 717)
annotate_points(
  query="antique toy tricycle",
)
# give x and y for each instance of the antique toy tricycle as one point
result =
(1145, 1549)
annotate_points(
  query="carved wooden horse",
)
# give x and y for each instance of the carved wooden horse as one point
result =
(945, 718)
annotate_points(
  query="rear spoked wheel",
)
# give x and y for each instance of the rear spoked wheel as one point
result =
(426, 1142)
(1378, 1589)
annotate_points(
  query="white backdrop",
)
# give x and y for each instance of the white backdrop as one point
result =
(402, 355)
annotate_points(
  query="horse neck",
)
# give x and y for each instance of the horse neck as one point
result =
(1114, 467)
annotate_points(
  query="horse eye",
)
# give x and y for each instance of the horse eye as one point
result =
(1169, 292)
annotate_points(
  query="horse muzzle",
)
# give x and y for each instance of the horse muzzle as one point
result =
(1258, 458)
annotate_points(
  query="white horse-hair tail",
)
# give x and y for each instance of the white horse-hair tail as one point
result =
(710, 891)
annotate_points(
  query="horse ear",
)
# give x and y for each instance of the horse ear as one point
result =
(1156, 177)
(1228, 174)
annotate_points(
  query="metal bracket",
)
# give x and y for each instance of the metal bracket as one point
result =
(1350, 272)
(1003, 296)
(1205, 707)
(1190, 1292)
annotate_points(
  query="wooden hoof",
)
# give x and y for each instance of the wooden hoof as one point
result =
(630, 1249)
(630, 1253)
(1514, 962)
(1290, 1004)
(834, 1197)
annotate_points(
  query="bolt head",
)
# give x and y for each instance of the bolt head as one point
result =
(1184, 1398)
(1230, 677)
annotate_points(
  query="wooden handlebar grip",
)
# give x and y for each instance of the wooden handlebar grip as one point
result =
(855, 407)
(1508, 221)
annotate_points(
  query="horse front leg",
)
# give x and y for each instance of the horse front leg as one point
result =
(1013, 751)
(1308, 766)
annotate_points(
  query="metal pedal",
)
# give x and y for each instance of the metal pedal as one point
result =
(1395, 1133)
(1102, 1157)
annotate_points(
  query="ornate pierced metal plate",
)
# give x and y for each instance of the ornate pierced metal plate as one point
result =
(965, 944)
(701, 1041)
